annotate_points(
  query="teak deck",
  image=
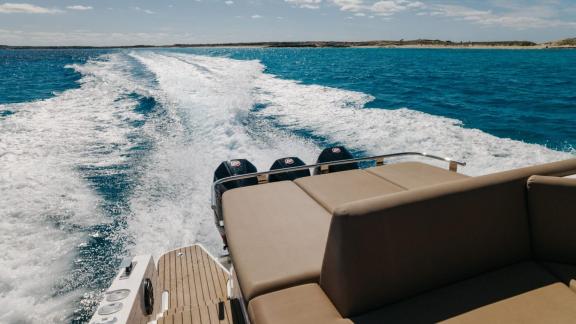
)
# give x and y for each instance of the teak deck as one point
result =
(196, 284)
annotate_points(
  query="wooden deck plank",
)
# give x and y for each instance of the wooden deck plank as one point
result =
(196, 284)
(187, 318)
(221, 295)
(204, 316)
(178, 318)
(197, 278)
(207, 314)
(173, 293)
(195, 317)
(209, 277)
(213, 312)
(189, 281)
(179, 282)
(202, 274)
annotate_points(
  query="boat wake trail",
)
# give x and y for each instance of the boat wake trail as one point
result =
(62, 160)
(242, 92)
(123, 165)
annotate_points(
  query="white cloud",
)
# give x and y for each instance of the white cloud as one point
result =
(387, 8)
(146, 11)
(80, 7)
(255, 16)
(308, 4)
(26, 8)
(350, 5)
(229, 2)
(359, 14)
(382, 8)
(390, 7)
(517, 20)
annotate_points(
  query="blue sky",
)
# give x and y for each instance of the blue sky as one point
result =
(129, 22)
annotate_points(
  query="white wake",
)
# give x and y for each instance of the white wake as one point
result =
(46, 203)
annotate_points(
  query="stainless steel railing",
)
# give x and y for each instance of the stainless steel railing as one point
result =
(379, 159)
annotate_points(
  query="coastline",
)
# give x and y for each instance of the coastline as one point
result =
(411, 44)
(535, 47)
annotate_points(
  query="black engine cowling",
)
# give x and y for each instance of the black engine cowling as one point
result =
(232, 168)
(288, 162)
(336, 153)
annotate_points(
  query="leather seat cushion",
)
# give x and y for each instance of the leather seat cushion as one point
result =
(276, 235)
(411, 175)
(335, 189)
(306, 304)
(521, 293)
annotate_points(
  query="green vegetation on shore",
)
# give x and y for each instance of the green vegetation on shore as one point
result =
(423, 43)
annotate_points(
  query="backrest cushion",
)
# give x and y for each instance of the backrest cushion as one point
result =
(384, 249)
(552, 209)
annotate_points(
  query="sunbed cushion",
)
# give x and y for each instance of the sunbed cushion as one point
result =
(411, 175)
(306, 304)
(515, 294)
(385, 249)
(334, 189)
(276, 235)
(552, 209)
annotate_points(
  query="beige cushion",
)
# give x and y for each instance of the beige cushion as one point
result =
(384, 249)
(465, 296)
(411, 175)
(552, 208)
(334, 189)
(276, 235)
(306, 304)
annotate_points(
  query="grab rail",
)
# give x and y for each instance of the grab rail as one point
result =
(216, 201)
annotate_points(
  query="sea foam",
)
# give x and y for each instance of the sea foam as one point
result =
(48, 206)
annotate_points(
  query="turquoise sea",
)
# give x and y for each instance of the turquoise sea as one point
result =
(110, 153)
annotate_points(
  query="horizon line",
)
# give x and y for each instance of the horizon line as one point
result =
(314, 43)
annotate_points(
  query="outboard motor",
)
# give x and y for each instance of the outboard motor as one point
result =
(336, 153)
(288, 162)
(232, 168)
(228, 169)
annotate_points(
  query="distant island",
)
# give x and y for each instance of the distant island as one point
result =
(417, 43)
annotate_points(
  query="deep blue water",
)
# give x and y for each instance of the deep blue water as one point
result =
(27, 75)
(525, 95)
(107, 153)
